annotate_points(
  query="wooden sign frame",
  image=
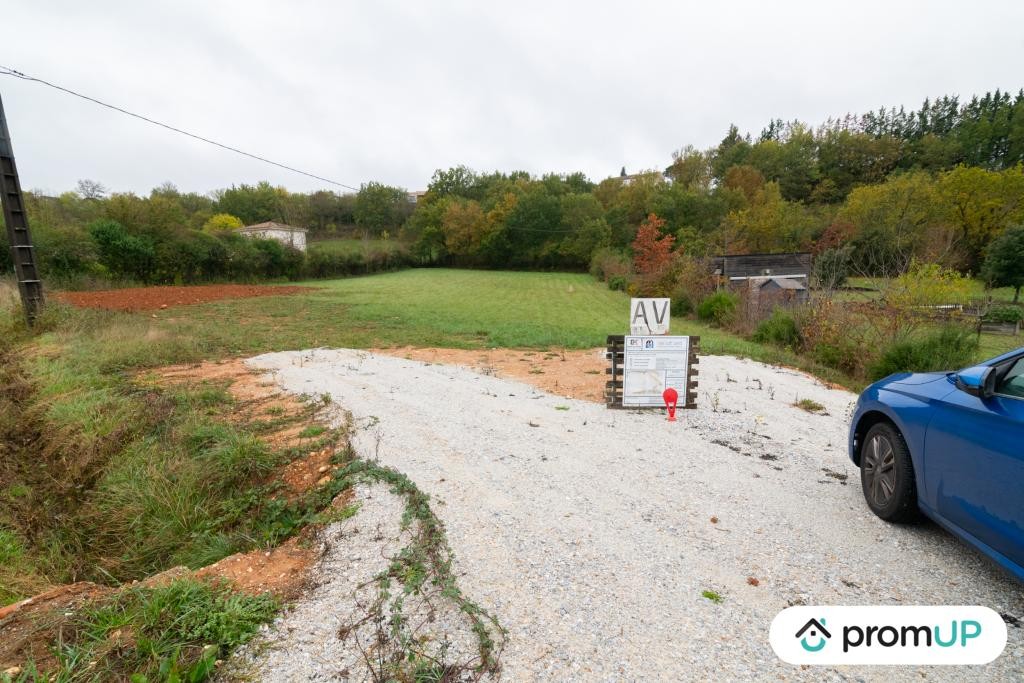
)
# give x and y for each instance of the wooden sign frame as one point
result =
(615, 353)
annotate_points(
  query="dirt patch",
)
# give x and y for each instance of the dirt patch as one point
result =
(28, 628)
(281, 571)
(574, 374)
(154, 298)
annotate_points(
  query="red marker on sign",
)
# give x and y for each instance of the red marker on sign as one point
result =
(670, 396)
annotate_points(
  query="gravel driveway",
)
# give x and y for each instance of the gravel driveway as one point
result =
(592, 534)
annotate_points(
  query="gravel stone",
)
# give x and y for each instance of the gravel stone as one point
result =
(587, 531)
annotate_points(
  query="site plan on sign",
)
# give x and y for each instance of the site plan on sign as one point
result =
(652, 365)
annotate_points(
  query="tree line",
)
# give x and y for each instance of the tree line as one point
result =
(874, 192)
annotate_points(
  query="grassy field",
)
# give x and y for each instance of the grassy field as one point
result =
(435, 307)
(346, 245)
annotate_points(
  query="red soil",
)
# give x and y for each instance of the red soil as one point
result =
(153, 298)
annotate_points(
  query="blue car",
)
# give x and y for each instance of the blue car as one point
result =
(950, 445)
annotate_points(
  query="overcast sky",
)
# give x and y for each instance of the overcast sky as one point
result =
(390, 91)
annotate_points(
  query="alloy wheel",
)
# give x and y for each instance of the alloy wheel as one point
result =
(880, 470)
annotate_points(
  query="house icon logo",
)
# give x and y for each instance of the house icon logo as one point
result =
(814, 629)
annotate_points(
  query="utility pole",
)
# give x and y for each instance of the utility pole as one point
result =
(22, 251)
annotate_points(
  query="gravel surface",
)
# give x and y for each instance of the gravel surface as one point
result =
(592, 534)
(327, 635)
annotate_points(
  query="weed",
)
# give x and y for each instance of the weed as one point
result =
(561, 407)
(424, 568)
(712, 596)
(811, 406)
(173, 632)
(312, 431)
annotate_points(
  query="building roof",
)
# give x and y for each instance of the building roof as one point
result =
(783, 283)
(271, 225)
(742, 266)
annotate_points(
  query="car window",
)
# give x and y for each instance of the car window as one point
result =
(1012, 383)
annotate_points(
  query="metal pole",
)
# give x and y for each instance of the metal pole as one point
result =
(18, 236)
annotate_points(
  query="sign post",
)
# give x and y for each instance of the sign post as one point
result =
(648, 364)
(649, 316)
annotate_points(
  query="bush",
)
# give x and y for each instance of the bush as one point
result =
(1005, 314)
(607, 263)
(617, 283)
(681, 305)
(948, 349)
(694, 281)
(124, 254)
(780, 329)
(719, 308)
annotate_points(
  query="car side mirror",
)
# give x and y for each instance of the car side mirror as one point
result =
(979, 381)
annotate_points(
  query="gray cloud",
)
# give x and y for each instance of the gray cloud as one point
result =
(390, 91)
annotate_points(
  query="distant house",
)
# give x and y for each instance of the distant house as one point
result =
(415, 197)
(778, 290)
(285, 234)
(735, 269)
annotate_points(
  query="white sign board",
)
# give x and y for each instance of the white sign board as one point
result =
(649, 316)
(652, 365)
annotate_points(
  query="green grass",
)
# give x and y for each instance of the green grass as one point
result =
(175, 632)
(426, 307)
(356, 245)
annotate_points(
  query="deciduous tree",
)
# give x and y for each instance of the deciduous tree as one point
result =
(1004, 264)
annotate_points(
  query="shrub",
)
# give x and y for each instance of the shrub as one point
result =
(719, 308)
(780, 329)
(124, 254)
(617, 283)
(1005, 314)
(681, 305)
(606, 263)
(694, 279)
(64, 252)
(948, 349)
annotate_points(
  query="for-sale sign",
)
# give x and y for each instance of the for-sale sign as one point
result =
(648, 316)
(652, 365)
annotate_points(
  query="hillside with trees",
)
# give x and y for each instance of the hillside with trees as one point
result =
(869, 193)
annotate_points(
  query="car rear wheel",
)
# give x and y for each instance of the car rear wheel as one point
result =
(887, 474)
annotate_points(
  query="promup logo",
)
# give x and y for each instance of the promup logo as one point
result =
(888, 635)
(816, 628)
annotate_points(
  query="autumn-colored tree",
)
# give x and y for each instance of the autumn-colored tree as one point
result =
(744, 178)
(464, 225)
(222, 222)
(652, 251)
(981, 205)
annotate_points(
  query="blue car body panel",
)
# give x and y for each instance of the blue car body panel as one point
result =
(968, 455)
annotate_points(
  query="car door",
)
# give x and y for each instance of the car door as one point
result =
(974, 462)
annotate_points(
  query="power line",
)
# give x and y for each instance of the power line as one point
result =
(8, 71)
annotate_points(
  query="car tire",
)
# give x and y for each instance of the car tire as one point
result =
(887, 475)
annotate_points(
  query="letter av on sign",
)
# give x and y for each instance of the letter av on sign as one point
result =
(648, 316)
